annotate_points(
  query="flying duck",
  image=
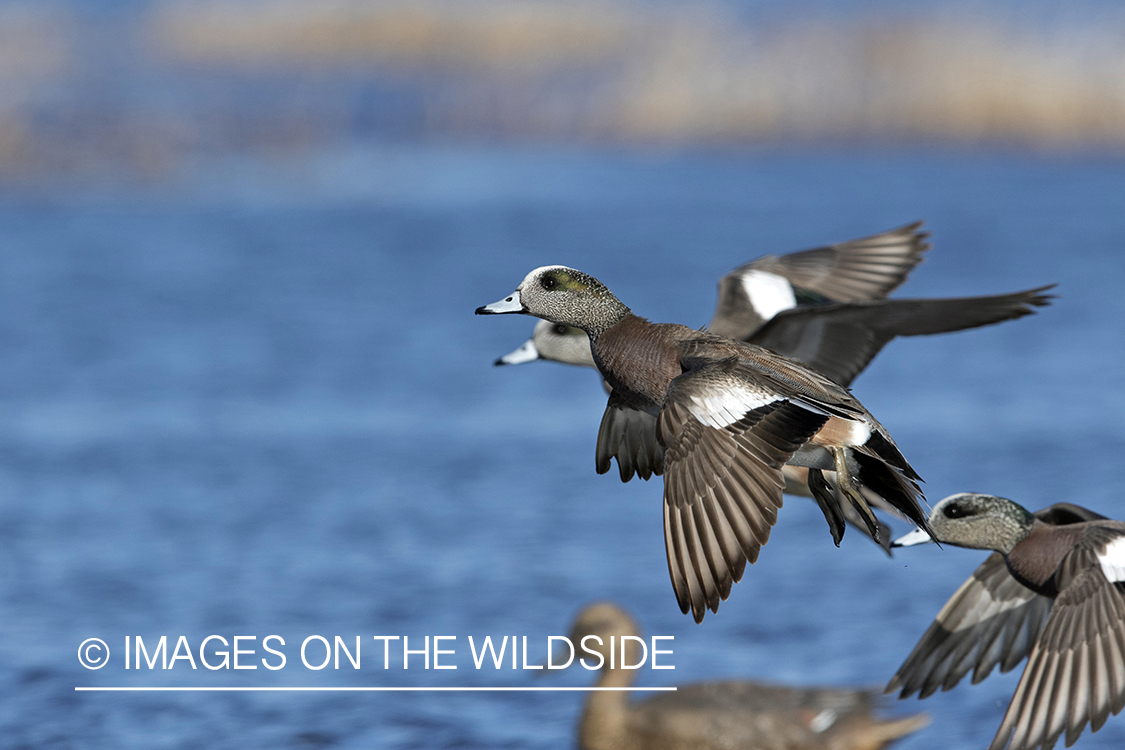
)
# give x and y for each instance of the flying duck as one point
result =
(752, 294)
(1053, 591)
(726, 715)
(825, 310)
(728, 415)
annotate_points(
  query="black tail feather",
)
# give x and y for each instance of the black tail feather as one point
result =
(885, 448)
(894, 484)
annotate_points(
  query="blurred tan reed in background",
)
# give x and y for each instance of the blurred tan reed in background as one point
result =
(140, 91)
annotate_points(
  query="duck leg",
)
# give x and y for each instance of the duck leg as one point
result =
(846, 487)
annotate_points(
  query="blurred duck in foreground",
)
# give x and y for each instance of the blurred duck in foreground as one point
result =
(727, 715)
(1054, 591)
(824, 307)
(720, 418)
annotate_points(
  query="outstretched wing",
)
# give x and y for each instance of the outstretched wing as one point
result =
(1076, 671)
(840, 340)
(629, 435)
(724, 448)
(863, 269)
(991, 619)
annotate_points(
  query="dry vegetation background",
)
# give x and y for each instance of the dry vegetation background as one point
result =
(140, 90)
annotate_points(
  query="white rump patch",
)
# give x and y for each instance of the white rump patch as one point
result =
(724, 407)
(858, 432)
(1113, 560)
(769, 293)
(536, 272)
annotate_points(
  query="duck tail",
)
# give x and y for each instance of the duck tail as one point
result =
(895, 484)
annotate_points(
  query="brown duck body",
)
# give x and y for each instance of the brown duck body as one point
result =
(721, 715)
(1037, 561)
(640, 360)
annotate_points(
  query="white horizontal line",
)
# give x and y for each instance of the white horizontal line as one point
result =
(365, 689)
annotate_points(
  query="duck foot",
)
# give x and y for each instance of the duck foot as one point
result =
(845, 485)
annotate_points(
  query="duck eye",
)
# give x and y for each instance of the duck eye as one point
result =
(954, 511)
(560, 329)
(549, 282)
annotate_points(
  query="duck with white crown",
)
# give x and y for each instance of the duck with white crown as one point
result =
(729, 415)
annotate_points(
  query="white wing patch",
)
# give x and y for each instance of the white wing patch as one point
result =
(1113, 560)
(726, 406)
(769, 293)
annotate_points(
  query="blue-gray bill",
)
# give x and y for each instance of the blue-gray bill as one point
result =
(918, 536)
(527, 352)
(510, 304)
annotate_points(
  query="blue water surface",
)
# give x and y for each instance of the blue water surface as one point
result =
(256, 401)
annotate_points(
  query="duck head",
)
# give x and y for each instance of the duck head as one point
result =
(562, 295)
(976, 521)
(596, 624)
(554, 342)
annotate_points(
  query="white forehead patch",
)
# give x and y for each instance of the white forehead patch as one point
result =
(725, 406)
(1113, 560)
(769, 293)
(536, 272)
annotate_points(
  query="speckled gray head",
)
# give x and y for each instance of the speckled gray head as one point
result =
(562, 295)
(976, 521)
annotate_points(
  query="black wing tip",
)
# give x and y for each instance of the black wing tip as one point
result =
(685, 605)
(699, 610)
(1039, 296)
(902, 685)
(917, 239)
(1024, 302)
(913, 227)
(625, 471)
